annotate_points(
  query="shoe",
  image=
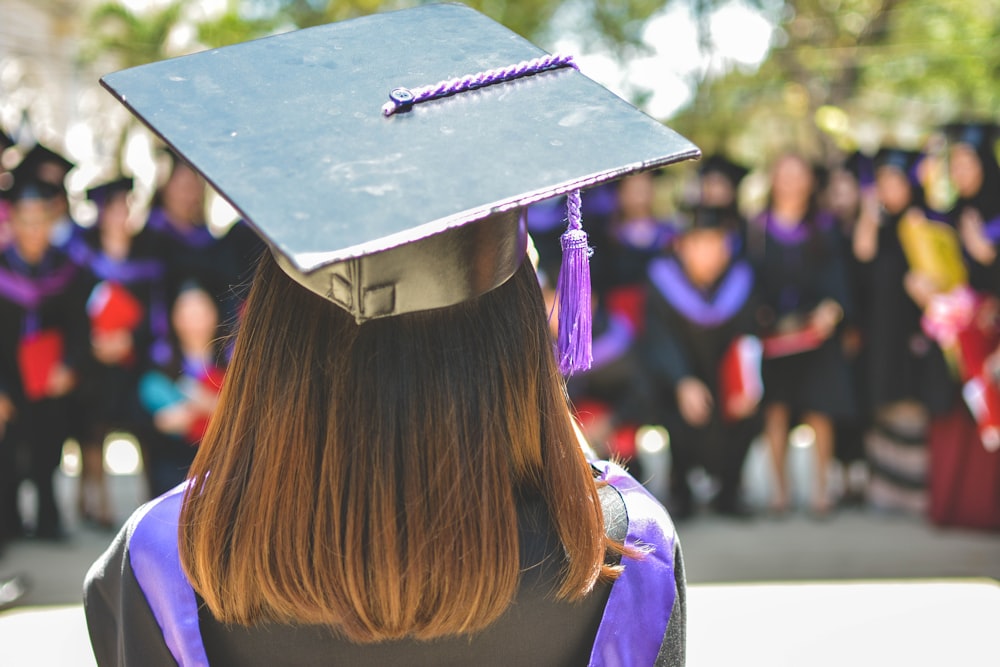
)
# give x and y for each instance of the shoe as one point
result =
(12, 589)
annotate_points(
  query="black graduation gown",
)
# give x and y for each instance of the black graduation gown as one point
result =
(983, 277)
(901, 362)
(49, 297)
(797, 269)
(108, 392)
(136, 618)
(688, 332)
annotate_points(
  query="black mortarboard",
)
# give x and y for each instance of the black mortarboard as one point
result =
(102, 193)
(5, 141)
(981, 135)
(720, 164)
(290, 130)
(40, 155)
(905, 161)
(28, 185)
(724, 218)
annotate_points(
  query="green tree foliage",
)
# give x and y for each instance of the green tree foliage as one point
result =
(844, 73)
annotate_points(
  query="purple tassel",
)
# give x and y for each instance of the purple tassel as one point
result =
(573, 292)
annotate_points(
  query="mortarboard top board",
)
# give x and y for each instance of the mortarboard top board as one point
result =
(354, 203)
(27, 185)
(981, 135)
(905, 161)
(40, 155)
(719, 163)
(102, 193)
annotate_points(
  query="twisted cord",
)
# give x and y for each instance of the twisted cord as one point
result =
(403, 99)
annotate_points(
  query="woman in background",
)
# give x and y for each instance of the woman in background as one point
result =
(803, 285)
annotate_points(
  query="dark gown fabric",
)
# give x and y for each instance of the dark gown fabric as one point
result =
(797, 269)
(902, 363)
(688, 332)
(47, 297)
(109, 391)
(129, 627)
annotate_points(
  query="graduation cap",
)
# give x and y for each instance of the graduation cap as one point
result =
(981, 135)
(906, 161)
(103, 193)
(5, 141)
(720, 164)
(28, 185)
(36, 159)
(723, 218)
(406, 205)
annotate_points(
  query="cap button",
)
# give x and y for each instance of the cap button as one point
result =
(402, 99)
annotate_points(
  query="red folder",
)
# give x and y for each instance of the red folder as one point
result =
(112, 307)
(37, 355)
(795, 341)
(739, 375)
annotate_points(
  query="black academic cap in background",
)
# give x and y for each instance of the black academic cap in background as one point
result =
(723, 218)
(27, 185)
(102, 193)
(39, 157)
(906, 161)
(981, 135)
(391, 214)
(718, 163)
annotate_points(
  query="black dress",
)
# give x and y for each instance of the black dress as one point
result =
(797, 268)
(902, 363)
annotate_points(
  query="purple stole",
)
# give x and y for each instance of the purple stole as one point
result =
(28, 292)
(195, 237)
(614, 342)
(631, 631)
(732, 292)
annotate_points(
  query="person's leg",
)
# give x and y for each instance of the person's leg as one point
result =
(737, 440)
(47, 434)
(776, 418)
(822, 427)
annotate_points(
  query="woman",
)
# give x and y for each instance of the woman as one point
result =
(127, 319)
(905, 371)
(800, 273)
(391, 475)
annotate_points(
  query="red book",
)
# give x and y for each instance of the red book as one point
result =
(740, 381)
(37, 355)
(112, 307)
(982, 396)
(795, 341)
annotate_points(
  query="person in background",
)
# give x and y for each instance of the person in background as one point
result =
(5, 183)
(905, 372)
(975, 175)
(635, 237)
(800, 272)
(191, 251)
(128, 320)
(181, 394)
(43, 345)
(719, 180)
(849, 184)
(701, 316)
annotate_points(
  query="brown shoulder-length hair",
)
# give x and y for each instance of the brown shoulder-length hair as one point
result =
(367, 477)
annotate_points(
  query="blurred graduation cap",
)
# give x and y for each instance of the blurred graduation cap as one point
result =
(399, 211)
(981, 135)
(720, 164)
(722, 218)
(906, 161)
(26, 184)
(102, 193)
(46, 164)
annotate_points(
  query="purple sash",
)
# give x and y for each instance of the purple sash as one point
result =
(28, 292)
(126, 271)
(792, 235)
(614, 342)
(156, 563)
(638, 610)
(194, 237)
(991, 228)
(631, 631)
(732, 293)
